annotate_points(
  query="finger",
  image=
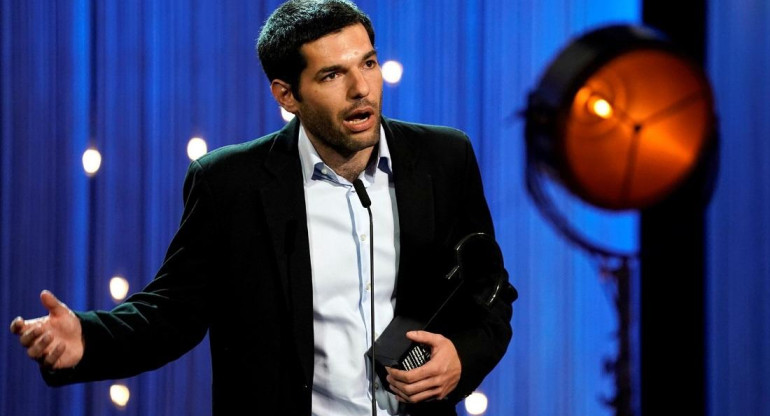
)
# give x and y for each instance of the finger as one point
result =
(52, 357)
(30, 336)
(424, 337)
(54, 306)
(417, 396)
(17, 325)
(425, 395)
(410, 390)
(430, 369)
(418, 375)
(400, 395)
(396, 373)
(402, 376)
(37, 348)
(394, 387)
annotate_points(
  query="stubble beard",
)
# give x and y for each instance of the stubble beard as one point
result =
(329, 129)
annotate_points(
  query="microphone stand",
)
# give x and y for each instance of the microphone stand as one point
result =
(366, 203)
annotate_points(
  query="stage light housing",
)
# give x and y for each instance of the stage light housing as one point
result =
(620, 118)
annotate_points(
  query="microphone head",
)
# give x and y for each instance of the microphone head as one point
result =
(361, 191)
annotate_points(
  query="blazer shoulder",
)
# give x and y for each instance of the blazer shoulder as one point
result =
(431, 144)
(237, 155)
(427, 131)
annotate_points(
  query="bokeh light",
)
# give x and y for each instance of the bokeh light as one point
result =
(600, 107)
(476, 403)
(92, 161)
(119, 394)
(196, 148)
(118, 288)
(392, 72)
(286, 116)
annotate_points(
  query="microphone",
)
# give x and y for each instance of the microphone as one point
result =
(366, 203)
(362, 195)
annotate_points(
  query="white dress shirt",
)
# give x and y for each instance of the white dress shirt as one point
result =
(338, 233)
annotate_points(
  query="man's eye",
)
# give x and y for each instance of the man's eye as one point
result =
(371, 63)
(331, 76)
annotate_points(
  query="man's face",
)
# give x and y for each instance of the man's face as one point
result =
(341, 91)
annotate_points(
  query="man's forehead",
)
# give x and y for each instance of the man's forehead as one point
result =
(350, 42)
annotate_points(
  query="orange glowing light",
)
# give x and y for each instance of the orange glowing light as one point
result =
(600, 107)
(649, 117)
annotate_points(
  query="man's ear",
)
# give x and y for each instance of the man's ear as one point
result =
(283, 94)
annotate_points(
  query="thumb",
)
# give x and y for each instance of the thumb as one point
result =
(423, 337)
(54, 306)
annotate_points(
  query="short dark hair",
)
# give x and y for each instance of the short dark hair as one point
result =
(297, 22)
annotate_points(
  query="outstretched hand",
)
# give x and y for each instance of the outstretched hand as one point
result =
(434, 380)
(54, 341)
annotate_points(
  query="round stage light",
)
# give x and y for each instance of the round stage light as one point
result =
(620, 117)
(476, 403)
(119, 394)
(392, 72)
(196, 148)
(92, 161)
(118, 288)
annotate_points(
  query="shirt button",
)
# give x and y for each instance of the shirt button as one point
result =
(363, 237)
(368, 287)
(376, 385)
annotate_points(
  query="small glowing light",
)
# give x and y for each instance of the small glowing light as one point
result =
(286, 116)
(118, 288)
(600, 107)
(119, 394)
(476, 403)
(196, 148)
(92, 160)
(392, 71)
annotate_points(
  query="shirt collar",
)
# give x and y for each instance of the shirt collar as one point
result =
(313, 168)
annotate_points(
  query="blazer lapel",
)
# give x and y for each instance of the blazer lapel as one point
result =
(414, 197)
(283, 199)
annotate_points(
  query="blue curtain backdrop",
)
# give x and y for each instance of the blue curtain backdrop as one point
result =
(138, 79)
(739, 217)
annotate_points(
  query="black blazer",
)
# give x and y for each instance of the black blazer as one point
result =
(239, 267)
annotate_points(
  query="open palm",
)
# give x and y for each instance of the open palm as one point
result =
(55, 341)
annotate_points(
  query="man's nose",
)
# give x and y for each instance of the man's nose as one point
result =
(359, 85)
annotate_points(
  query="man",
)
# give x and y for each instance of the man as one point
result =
(272, 258)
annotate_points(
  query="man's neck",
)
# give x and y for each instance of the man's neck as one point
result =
(349, 166)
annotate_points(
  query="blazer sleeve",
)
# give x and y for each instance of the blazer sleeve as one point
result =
(482, 340)
(170, 315)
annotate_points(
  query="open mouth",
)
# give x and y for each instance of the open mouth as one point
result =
(360, 120)
(359, 116)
